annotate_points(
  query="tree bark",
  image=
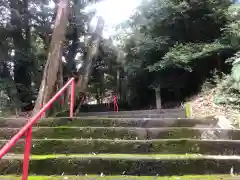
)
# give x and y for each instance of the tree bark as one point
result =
(54, 57)
(158, 97)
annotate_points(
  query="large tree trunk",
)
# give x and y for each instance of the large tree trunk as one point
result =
(51, 70)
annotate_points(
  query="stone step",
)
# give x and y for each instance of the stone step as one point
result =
(126, 122)
(166, 115)
(126, 133)
(137, 112)
(160, 114)
(110, 122)
(161, 146)
(122, 164)
(125, 177)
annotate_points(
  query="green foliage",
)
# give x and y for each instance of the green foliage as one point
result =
(181, 55)
(167, 33)
(236, 68)
(229, 89)
(177, 44)
(228, 93)
(25, 32)
(163, 40)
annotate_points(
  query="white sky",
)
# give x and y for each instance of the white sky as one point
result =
(114, 12)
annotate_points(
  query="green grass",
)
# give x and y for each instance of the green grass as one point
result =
(110, 156)
(189, 177)
(120, 156)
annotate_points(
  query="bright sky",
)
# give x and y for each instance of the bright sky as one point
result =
(114, 12)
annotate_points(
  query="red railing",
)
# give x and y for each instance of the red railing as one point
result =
(115, 104)
(27, 129)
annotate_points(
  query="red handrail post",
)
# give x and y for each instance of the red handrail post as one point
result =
(27, 150)
(115, 104)
(27, 128)
(72, 99)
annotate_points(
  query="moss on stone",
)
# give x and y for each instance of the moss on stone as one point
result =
(58, 146)
(121, 165)
(121, 133)
(108, 122)
(109, 156)
(98, 177)
(122, 122)
(106, 133)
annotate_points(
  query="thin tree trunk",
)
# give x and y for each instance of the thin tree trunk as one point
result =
(86, 71)
(124, 88)
(54, 57)
(10, 87)
(92, 52)
(118, 91)
(158, 97)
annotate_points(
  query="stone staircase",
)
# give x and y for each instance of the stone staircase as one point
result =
(125, 145)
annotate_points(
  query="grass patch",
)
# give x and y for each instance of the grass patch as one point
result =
(109, 156)
(92, 177)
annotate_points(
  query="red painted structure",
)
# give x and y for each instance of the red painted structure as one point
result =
(27, 128)
(115, 104)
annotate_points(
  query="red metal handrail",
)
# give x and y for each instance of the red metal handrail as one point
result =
(115, 104)
(27, 128)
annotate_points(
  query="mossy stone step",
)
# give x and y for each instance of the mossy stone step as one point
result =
(174, 113)
(158, 113)
(173, 146)
(121, 164)
(123, 177)
(148, 111)
(110, 122)
(165, 115)
(125, 122)
(124, 133)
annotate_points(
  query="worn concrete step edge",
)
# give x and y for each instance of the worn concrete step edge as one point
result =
(111, 122)
(161, 146)
(123, 164)
(127, 122)
(126, 133)
(153, 111)
(167, 115)
(124, 177)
